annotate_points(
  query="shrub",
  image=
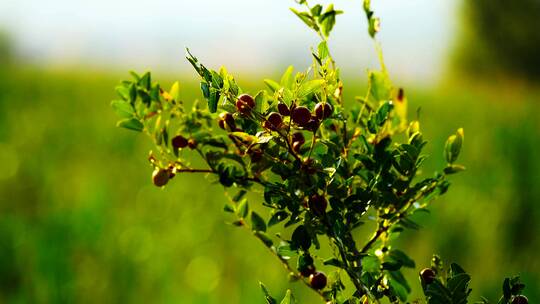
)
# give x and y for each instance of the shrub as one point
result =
(500, 38)
(325, 169)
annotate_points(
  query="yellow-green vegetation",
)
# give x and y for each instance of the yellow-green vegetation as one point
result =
(81, 222)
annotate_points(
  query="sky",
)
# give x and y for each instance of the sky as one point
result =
(244, 35)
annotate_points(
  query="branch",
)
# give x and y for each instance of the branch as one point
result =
(190, 170)
(286, 265)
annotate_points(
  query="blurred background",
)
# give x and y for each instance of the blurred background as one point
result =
(80, 221)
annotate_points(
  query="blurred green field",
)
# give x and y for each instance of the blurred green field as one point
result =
(80, 221)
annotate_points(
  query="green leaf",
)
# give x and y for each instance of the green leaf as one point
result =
(316, 10)
(277, 217)
(452, 169)
(288, 299)
(383, 113)
(123, 108)
(243, 208)
(123, 92)
(322, 50)
(261, 105)
(398, 289)
(328, 19)
(131, 123)
(334, 262)
(371, 263)
(274, 86)
(264, 238)
(267, 296)
(213, 100)
(257, 222)
(238, 196)
(228, 208)
(145, 81)
(453, 146)
(175, 91)
(287, 79)
(285, 251)
(300, 238)
(205, 89)
(507, 292)
(306, 18)
(380, 86)
(309, 87)
(436, 293)
(401, 257)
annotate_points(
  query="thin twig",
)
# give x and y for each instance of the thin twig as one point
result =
(286, 265)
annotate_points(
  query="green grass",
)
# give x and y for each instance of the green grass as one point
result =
(80, 221)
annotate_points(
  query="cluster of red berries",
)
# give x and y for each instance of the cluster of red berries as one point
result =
(303, 117)
(300, 116)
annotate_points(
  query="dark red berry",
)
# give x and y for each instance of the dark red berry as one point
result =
(275, 120)
(160, 177)
(179, 142)
(227, 117)
(192, 143)
(226, 121)
(245, 103)
(520, 300)
(323, 110)
(246, 98)
(318, 203)
(317, 280)
(301, 116)
(267, 125)
(283, 109)
(427, 275)
(296, 146)
(221, 124)
(309, 270)
(298, 137)
(313, 124)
